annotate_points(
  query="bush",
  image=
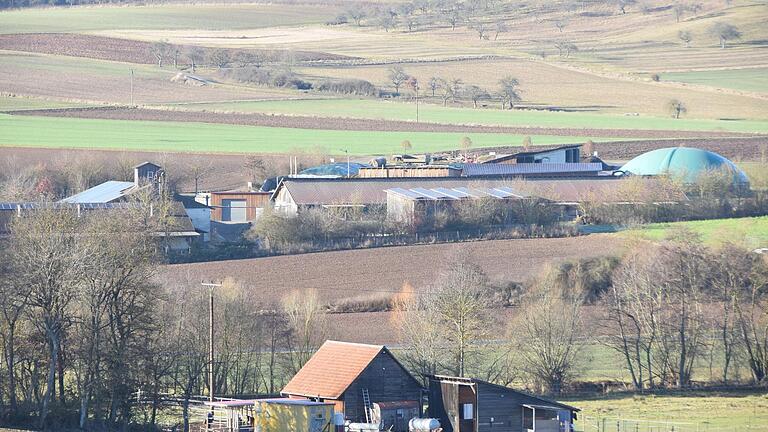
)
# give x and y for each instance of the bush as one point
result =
(339, 20)
(380, 302)
(267, 77)
(349, 86)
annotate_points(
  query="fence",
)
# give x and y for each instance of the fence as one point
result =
(618, 424)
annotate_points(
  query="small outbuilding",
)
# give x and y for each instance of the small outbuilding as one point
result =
(355, 377)
(472, 405)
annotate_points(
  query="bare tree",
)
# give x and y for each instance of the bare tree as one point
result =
(219, 57)
(406, 145)
(455, 86)
(560, 24)
(476, 94)
(686, 37)
(306, 323)
(623, 4)
(724, 32)
(676, 108)
(357, 12)
(500, 27)
(565, 48)
(457, 299)
(547, 333)
(397, 77)
(481, 28)
(161, 51)
(419, 330)
(434, 83)
(465, 144)
(508, 92)
(46, 253)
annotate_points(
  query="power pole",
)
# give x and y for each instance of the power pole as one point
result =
(348, 168)
(210, 286)
(131, 87)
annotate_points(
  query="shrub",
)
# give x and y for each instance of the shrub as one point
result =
(348, 86)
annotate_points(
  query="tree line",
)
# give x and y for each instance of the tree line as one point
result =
(92, 338)
(670, 310)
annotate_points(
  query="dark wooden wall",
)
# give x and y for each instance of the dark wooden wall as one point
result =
(386, 381)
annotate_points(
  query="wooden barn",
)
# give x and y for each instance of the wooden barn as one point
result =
(356, 376)
(471, 405)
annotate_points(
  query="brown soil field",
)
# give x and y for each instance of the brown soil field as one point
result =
(338, 123)
(75, 79)
(545, 84)
(113, 49)
(382, 271)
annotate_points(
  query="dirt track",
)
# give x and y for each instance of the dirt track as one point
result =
(112, 49)
(337, 123)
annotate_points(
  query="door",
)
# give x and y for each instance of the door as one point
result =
(233, 211)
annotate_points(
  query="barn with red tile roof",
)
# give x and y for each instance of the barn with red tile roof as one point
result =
(342, 372)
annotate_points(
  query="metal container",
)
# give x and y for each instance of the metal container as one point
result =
(423, 424)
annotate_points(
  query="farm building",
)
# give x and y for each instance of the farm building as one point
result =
(559, 155)
(199, 214)
(237, 206)
(417, 207)
(532, 170)
(295, 195)
(354, 377)
(144, 175)
(685, 162)
(410, 171)
(472, 405)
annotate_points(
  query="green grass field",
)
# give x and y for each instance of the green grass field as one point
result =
(692, 411)
(51, 132)
(751, 232)
(83, 19)
(753, 79)
(369, 108)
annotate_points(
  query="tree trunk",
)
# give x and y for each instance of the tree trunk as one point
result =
(60, 372)
(10, 362)
(53, 343)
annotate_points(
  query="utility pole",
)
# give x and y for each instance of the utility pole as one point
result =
(131, 87)
(346, 151)
(210, 286)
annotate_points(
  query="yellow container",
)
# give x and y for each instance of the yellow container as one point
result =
(293, 415)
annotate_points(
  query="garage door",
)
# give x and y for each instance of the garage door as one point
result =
(233, 211)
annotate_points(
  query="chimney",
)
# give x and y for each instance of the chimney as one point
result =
(250, 186)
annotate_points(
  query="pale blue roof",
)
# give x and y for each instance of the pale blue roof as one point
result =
(687, 162)
(106, 192)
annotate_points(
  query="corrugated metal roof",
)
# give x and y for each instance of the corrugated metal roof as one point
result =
(521, 169)
(332, 369)
(103, 193)
(436, 194)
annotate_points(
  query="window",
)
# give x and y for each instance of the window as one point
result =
(467, 411)
(572, 155)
